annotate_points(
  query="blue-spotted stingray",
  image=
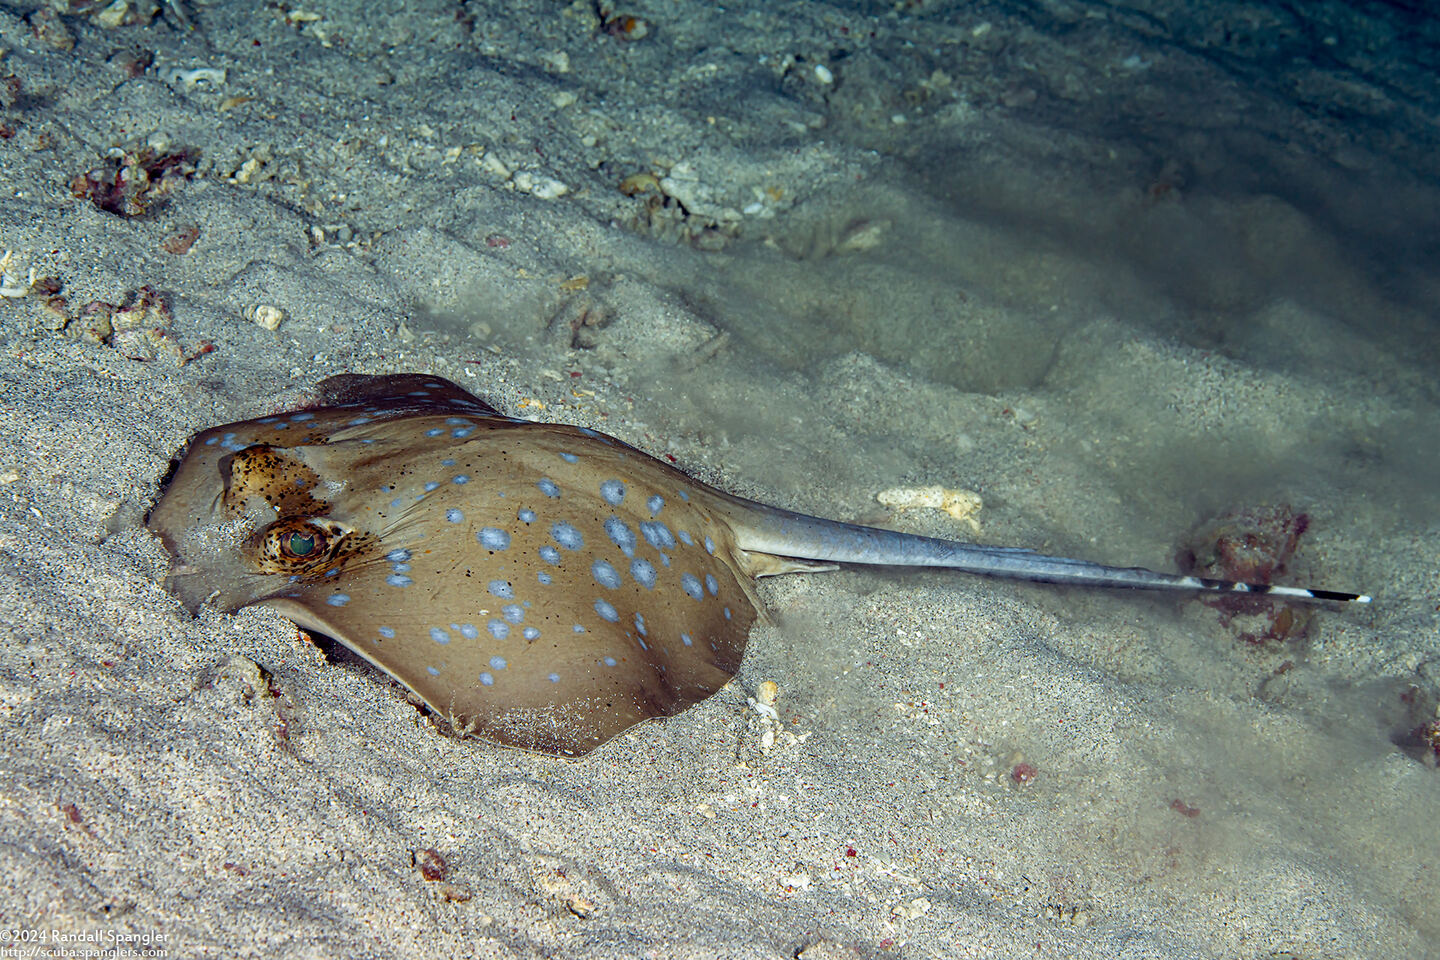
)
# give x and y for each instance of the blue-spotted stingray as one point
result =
(543, 586)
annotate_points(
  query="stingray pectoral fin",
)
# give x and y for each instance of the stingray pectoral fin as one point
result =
(564, 694)
(399, 393)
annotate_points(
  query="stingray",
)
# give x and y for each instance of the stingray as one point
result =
(540, 585)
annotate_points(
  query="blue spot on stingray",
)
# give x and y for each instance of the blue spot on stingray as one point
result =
(395, 504)
(338, 599)
(460, 479)
(301, 417)
(621, 535)
(657, 535)
(656, 503)
(531, 633)
(402, 568)
(577, 629)
(643, 572)
(567, 536)
(613, 491)
(568, 457)
(544, 578)
(487, 680)
(710, 546)
(685, 639)
(550, 555)
(513, 612)
(398, 580)
(683, 495)
(587, 432)
(605, 575)
(711, 583)
(499, 629)
(548, 487)
(438, 635)
(685, 538)
(468, 631)
(448, 462)
(606, 611)
(455, 421)
(462, 432)
(640, 623)
(526, 515)
(493, 538)
(398, 556)
(609, 661)
(454, 516)
(431, 486)
(502, 588)
(387, 632)
(432, 671)
(497, 663)
(358, 421)
(727, 613)
(691, 585)
(434, 432)
(553, 677)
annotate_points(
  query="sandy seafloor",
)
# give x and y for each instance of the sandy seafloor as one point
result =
(1117, 269)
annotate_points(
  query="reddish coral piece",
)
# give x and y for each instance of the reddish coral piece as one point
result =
(1024, 774)
(432, 865)
(131, 185)
(1184, 809)
(180, 242)
(1252, 545)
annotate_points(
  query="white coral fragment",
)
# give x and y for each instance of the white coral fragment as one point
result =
(960, 504)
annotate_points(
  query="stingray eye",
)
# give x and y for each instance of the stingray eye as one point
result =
(300, 545)
(303, 541)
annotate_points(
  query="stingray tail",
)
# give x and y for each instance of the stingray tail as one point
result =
(770, 530)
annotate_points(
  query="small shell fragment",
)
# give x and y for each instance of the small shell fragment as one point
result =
(863, 235)
(960, 504)
(545, 188)
(767, 692)
(267, 316)
(639, 183)
(910, 911)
